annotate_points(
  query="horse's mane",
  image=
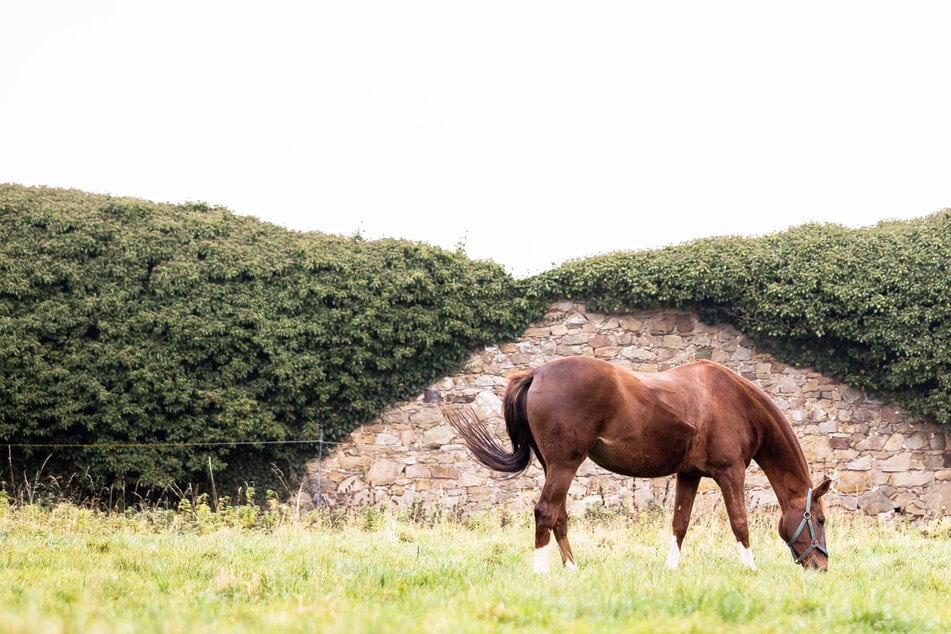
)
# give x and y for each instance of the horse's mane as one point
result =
(775, 425)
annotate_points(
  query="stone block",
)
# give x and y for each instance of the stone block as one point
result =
(416, 471)
(362, 438)
(871, 443)
(353, 462)
(912, 478)
(576, 320)
(426, 416)
(938, 498)
(661, 325)
(685, 323)
(851, 395)
(384, 472)
(536, 332)
(918, 440)
(816, 448)
(898, 462)
(636, 353)
(472, 479)
(741, 354)
(839, 442)
(439, 436)
(892, 414)
(894, 442)
(852, 481)
(862, 463)
(387, 439)
(351, 485)
(875, 502)
(673, 341)
(445, 472)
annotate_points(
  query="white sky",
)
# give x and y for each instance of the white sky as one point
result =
(529, 132)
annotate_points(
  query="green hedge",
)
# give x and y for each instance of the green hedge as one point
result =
(871, 306)
(129, 322)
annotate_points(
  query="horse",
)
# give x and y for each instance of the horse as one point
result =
(696, 420)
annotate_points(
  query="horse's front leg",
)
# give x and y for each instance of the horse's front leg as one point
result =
(731, 485)
(683, 505)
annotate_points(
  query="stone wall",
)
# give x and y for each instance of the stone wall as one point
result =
(882, 460)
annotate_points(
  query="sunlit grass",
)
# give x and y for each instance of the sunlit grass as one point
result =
(72, 570)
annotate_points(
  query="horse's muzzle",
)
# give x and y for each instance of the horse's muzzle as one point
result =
(814, 563)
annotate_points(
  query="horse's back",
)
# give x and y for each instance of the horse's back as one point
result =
(688, 418)
(585, 406)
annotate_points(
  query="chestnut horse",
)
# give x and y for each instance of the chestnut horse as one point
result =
(696, 420)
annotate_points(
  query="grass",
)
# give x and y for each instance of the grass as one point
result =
(69, 569)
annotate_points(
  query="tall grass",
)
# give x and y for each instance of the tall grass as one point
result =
(70, 569)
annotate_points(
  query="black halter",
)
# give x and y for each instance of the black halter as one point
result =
(806, 521)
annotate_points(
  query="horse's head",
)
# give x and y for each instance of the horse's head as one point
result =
(802, 527)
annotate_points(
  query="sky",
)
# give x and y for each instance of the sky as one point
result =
(527, 133)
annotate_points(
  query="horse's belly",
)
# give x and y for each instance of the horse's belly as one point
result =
(636, 459)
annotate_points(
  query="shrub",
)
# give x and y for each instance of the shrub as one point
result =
(871, 306)
(124, 322)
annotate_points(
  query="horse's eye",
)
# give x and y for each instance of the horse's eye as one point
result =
(822, 521)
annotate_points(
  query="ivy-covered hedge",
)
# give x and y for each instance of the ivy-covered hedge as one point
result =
(871, 306)
(124, 322)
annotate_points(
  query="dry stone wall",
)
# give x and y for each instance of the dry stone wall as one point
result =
(882, 460)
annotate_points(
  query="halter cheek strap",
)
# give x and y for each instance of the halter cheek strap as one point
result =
(806, 521)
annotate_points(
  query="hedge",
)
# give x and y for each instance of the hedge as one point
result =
(870, 306)
(141, 342)
(125, 322)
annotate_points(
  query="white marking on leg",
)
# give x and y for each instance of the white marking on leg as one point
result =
(570, 565)
(673, 555)
(746, 556)
(543, 559)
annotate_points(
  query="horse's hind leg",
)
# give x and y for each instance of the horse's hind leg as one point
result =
(551, 515)
(561, 537)
(683, 505)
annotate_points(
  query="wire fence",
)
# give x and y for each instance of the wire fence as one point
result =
(114, 445)
(318, 442)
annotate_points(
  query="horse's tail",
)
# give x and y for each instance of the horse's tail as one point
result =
(485, 447)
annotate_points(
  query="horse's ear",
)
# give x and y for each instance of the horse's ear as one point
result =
(822, 489)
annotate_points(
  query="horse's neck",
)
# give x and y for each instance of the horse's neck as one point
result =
(782, 460)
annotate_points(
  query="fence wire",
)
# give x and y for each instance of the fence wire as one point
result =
(319, 442)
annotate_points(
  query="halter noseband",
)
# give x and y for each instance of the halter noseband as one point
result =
(806, 521)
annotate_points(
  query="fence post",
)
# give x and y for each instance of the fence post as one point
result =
(320, 467)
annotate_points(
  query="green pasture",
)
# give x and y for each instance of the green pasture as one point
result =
(67, 569)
